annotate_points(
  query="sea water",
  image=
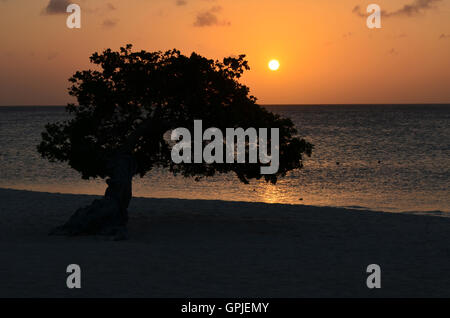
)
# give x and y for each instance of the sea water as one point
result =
(393, 158)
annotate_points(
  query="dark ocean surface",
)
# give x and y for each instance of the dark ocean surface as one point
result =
(380, 157)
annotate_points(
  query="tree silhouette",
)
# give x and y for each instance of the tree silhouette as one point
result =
(128, 104)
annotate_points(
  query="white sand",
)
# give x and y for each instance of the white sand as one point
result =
(188, 248)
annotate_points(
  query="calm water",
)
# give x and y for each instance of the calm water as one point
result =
(391, 158)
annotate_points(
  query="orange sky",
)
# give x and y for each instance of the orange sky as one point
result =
(326, 51)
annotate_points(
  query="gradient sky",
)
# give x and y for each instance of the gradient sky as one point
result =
(326, 51)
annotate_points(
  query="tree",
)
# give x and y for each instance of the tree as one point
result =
(128, 104)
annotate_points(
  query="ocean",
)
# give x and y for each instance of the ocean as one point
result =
(393, 158)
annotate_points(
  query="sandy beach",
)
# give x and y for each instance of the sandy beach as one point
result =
(194, 248)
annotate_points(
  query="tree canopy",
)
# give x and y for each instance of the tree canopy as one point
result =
(130, 100)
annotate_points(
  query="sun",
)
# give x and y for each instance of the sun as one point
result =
(274, 65)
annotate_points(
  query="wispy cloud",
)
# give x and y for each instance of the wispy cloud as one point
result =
(56, 7)
(60, 7)
(52, 55)
(181, 2)
(444, 36)
(110, 23)
(357, 10)
(408, 10)
(210, 18)
(393, 52)
(110, 6)
(347, 35)
(401, 35)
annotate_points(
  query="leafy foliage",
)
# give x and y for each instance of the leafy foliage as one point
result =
(132, 99)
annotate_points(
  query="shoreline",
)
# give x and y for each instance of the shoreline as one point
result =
(436, 213)
(203, 248)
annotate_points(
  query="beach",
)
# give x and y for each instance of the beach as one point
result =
(206, 248)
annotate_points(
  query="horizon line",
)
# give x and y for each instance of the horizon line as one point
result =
(283, 104)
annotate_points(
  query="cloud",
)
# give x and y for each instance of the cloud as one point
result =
(393, 52)
(209, 18)
(444, 36)
(417, 7)
(347, 35)
(401, 35)
(110, 23)
(56, 7)
(110, 6)
(357, 10)
(408, 10)
(181, 2)
(60, 7)
(52, 55)
(206, 18)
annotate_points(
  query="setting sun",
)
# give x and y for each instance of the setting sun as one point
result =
(274, 65)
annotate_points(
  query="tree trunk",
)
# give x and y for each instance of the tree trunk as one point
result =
(109, 215)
